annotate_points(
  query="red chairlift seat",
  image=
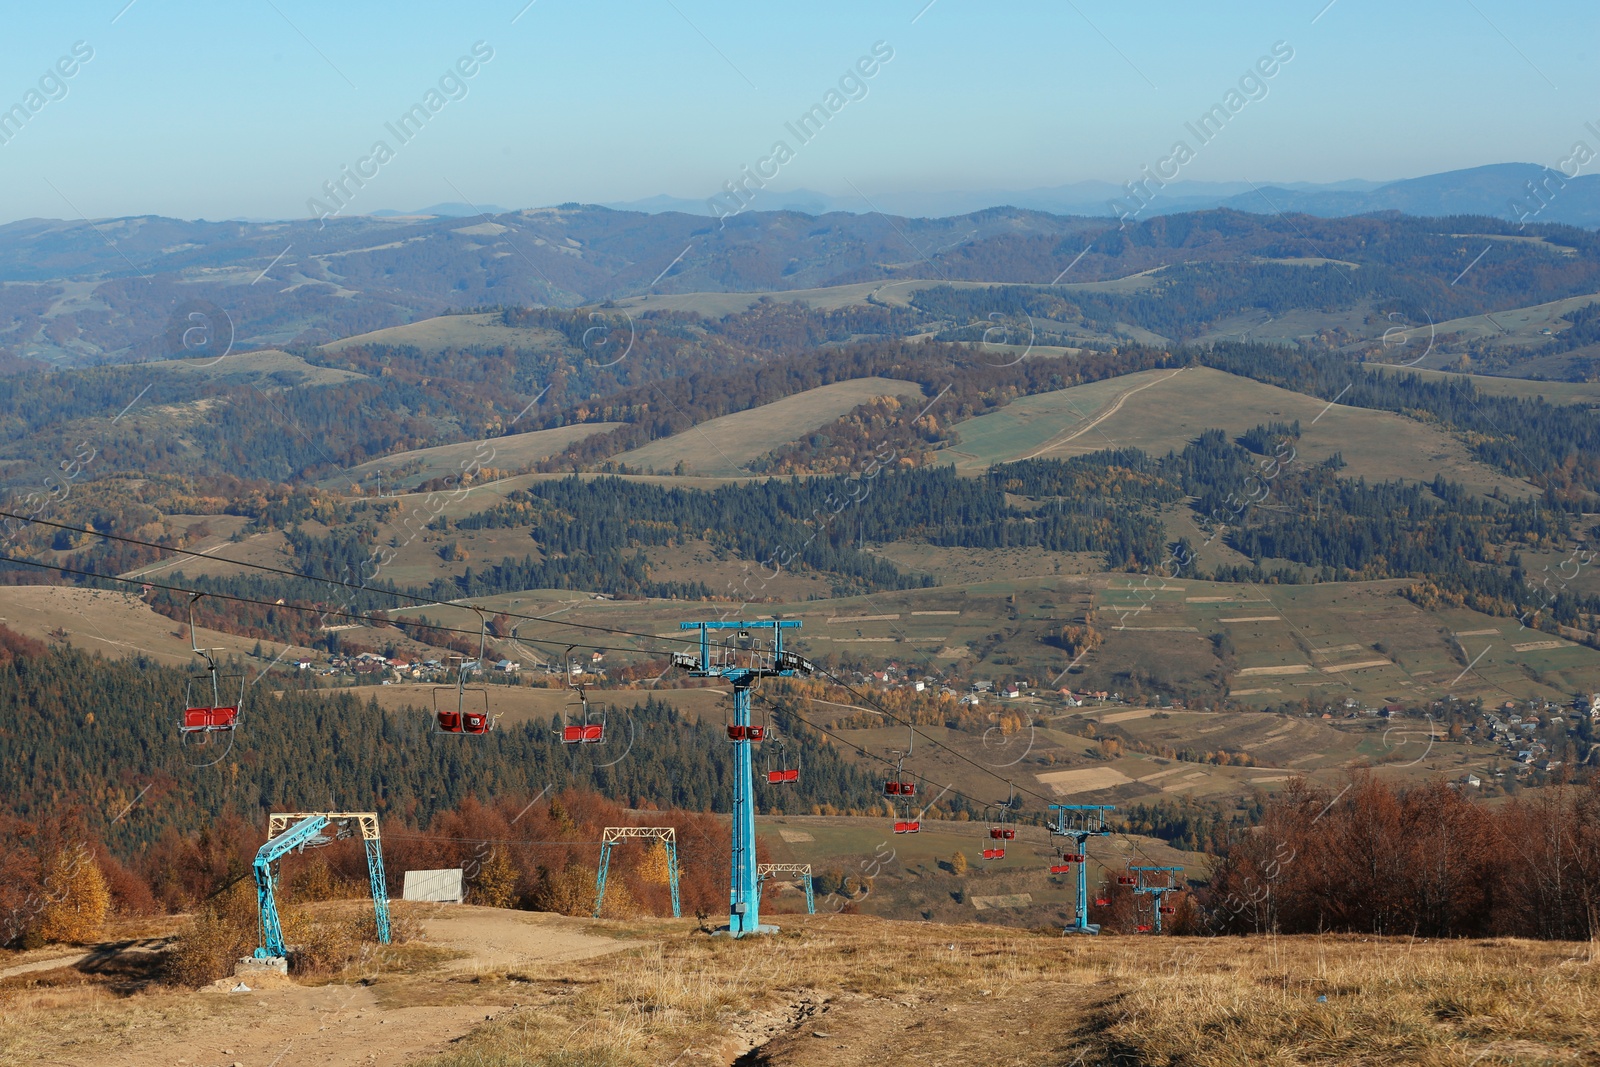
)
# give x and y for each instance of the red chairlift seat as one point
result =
(475, 722)
(580, 733)
(1169, 910)
(994, 853)
(995, 832)
(1008, 833)
(736, 733)
(1061, 868)
(1143, 928)
(908, 826)
(1123, 879)
(757, 733)
(790, 774)
(1101, 902)
(209, 719)
(450, 722)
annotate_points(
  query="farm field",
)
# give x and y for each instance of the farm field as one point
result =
(1357, 640)
(724, 445)
(1327, 642)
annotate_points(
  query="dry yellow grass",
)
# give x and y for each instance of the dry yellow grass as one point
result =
(846, 990)
(855, 991)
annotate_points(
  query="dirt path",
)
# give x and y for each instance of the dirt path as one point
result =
(1114, 407)
(506, 940)
(48, 964)
(383, 1019)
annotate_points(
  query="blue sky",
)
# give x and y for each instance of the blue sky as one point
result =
(244, 109)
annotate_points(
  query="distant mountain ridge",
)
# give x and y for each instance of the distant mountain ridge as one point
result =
(1494, 190)
(77, 292)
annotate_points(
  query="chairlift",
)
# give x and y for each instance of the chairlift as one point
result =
(1061, 868)
(586, 725)
(1143, 928)
(902, 784)
(1102, 902)
(1124, 879)
(780, 769)
(1168, 909)
(994, 853)
(199, 722)
(462, 719)
(902, 788)
(999, 828)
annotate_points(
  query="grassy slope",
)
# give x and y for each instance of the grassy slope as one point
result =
(1159, 410)
(724, 445)
(507, 453)
(447, 331)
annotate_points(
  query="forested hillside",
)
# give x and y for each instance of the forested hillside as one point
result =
(78, 729)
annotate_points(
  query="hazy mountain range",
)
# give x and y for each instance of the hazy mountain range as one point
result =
(1490, 190)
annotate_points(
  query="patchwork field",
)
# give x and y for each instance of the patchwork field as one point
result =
(1356, 640)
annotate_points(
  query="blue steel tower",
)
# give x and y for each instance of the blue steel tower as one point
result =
(742, 664)
(1080, 822)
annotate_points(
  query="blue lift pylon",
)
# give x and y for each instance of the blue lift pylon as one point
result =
(297, 830)
(667, 835)
(1168, 877)
(1079, 822)
(742, 664)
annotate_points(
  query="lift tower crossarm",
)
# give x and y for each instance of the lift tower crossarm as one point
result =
(742, 665)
